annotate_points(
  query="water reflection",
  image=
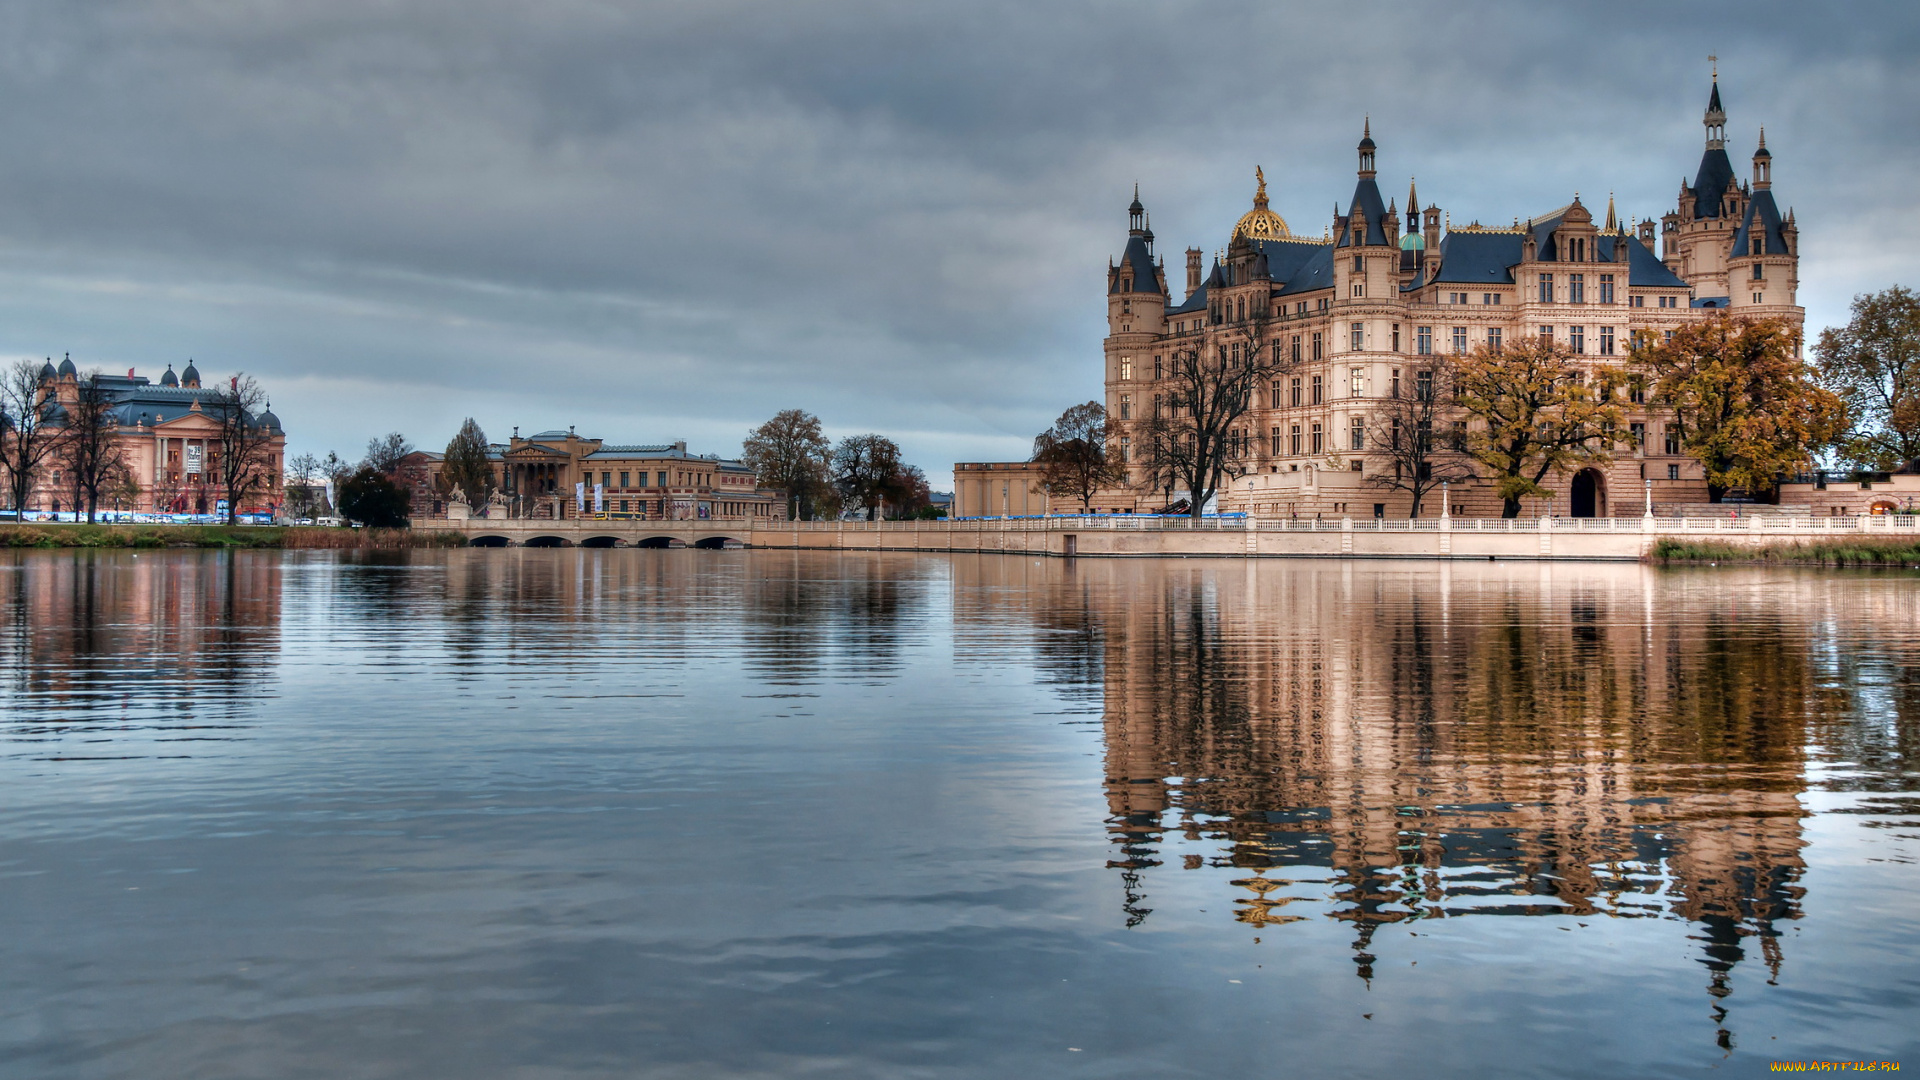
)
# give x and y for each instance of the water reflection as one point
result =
(176, 645)
(1409, 745)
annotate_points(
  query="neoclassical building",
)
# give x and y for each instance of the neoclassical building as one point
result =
(562, 474)
(1347, 313)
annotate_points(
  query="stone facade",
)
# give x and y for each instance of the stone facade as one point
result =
(1346, 315)
(537, 477)
(168, 445)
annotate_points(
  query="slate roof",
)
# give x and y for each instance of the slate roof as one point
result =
(1716, 172)
(1141, 261)
(1762, 218)
(1488, 258)
(1709, 302)
(1195, 301)
(1315, 273)
(1368, 204)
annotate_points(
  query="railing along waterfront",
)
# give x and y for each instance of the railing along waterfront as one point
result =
(1746, 523)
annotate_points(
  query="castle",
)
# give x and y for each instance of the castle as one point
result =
(1346, 313)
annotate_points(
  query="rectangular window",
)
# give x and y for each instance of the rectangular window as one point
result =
(1396, 337)
(1317, 348)
(1423, 340)
(1606, 341)
(1423, 385)
(1459, 339)
(1759, 272)
(1126, 406)
(663, 478)
(1606, 288)
(1638, 301)
(1357, 336)
(1673, 472)
(1669, 336)
(606, 479)
(1577, 339)
(1576, 288)
(1357, 382)
(1493, 339)
(1319, 396)
(1637, 390)
(1357, 434)
(1275, 399)
(1394, 436)
(1296, 440)
(1637, 436)
(1394, 387)
(1159, 369)
(1158, 405)
(1313, 440)
(1489, 298)
(1673, 439)
(1126, 368)
(1359, 288)
(1277, 451)
(1126, 448)
(1458, 439)
(623, 480)
(1296, 348)
(1294, 386)
(623, 506)
(1546, 334)
(1546, 288)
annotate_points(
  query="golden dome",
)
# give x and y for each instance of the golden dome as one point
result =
(1261, 223)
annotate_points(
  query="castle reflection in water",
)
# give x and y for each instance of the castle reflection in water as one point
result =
(1434, 741)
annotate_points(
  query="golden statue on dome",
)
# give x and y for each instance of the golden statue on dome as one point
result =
(1261, 223)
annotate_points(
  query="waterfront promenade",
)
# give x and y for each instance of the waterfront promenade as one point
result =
(1614, 539)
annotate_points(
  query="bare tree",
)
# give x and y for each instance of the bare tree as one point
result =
(1413, 433)
(385, 453)
(27, 439)
(90, 452)
(1196, 442)
(864, 468)
(245, 439)
(790, 453)
(1075, 455)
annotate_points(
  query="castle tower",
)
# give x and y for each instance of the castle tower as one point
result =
(1763, 258)
(1698, 233)
(1136, 316)
(1366, 261)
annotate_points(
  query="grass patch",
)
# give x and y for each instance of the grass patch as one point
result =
(1897, 552)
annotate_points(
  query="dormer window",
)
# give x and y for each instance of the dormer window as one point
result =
(1759, 245)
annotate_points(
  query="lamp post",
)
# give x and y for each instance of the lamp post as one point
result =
(1446, 506)
(1649, 483)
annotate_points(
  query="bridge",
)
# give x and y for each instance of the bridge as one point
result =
(1622, 538)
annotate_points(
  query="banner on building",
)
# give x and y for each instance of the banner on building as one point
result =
(580, 496)
(194, 459)
(599, 498)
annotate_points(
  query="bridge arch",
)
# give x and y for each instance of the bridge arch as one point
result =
(602, 541)
(660, 542)
(715, 543)
(548, 541)
(488, 540)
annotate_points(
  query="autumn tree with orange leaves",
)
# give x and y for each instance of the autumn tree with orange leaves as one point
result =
(1540, 413)
(1745, 404)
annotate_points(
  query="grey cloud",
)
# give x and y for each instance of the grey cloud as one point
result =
(656, 220)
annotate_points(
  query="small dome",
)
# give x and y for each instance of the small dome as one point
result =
(169, 379)
(67, 368)
(269, 421)
(1413, 241)
(46, 370)
(190, 376)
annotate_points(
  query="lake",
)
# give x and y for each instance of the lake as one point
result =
(647, 813)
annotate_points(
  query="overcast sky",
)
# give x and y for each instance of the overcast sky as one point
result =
(672, 220)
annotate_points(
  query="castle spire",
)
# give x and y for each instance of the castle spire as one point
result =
(1762, 165)
(1716, 116)
(1613, 223)
(1366, 150)
(1136, 214)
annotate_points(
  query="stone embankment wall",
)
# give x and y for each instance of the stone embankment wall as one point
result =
(1142, 537)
